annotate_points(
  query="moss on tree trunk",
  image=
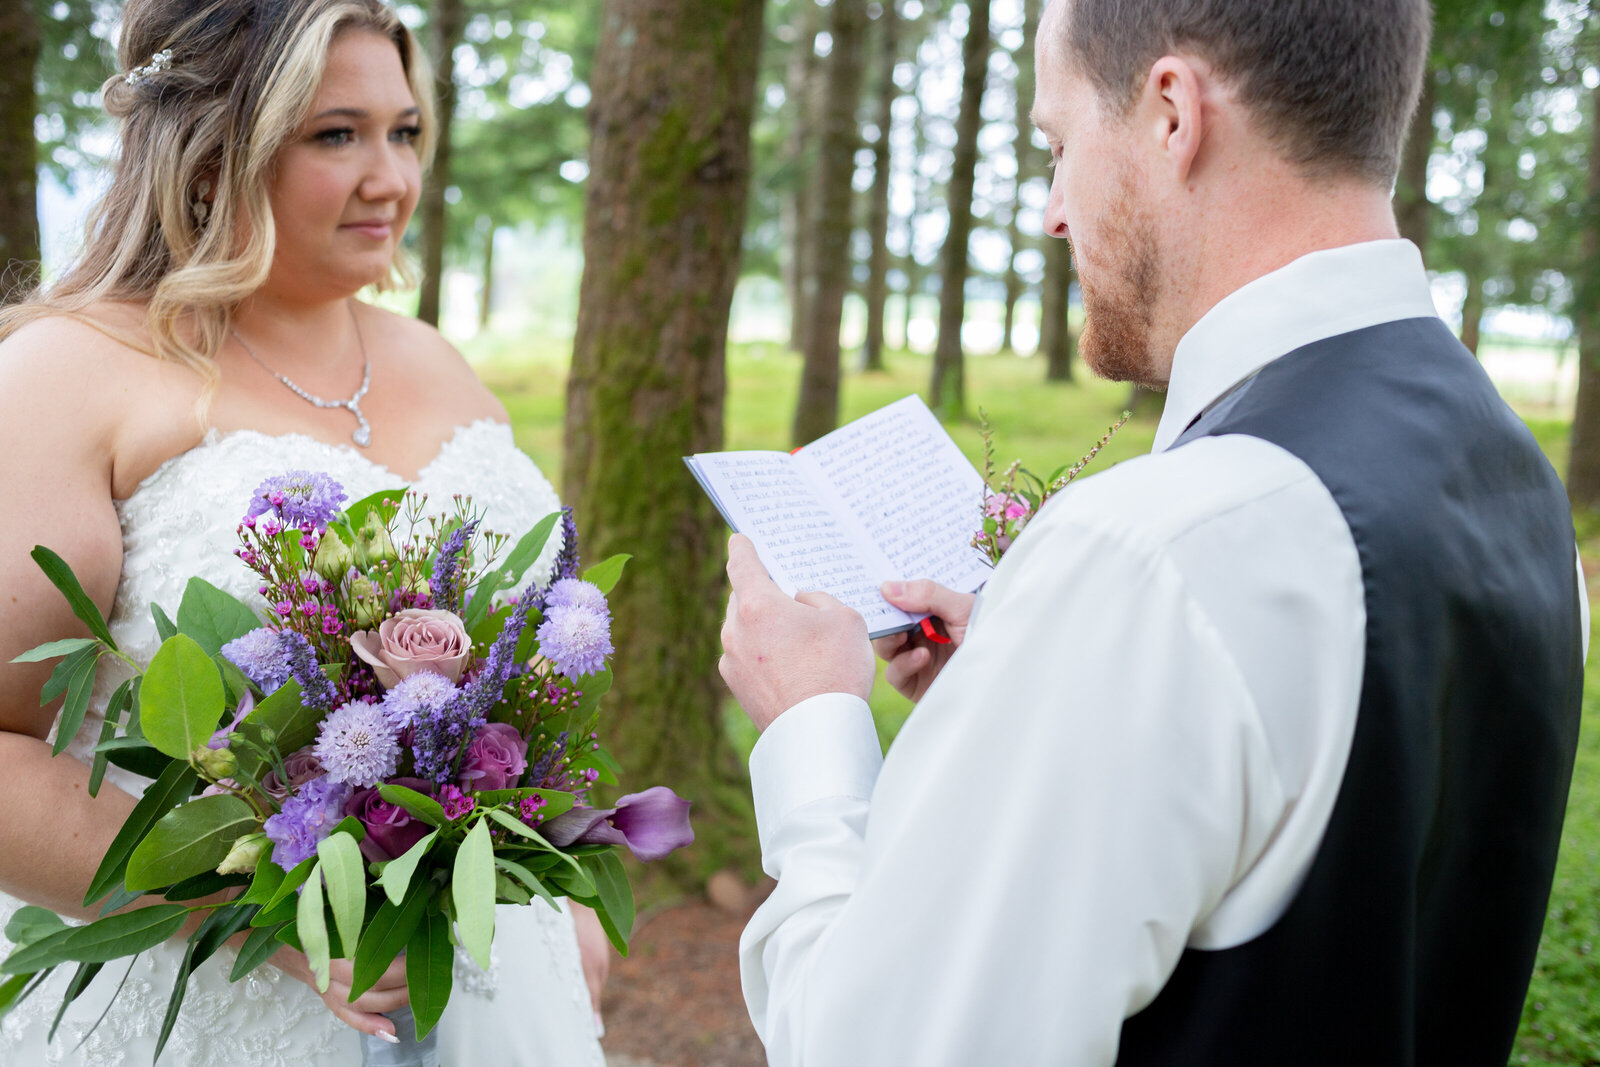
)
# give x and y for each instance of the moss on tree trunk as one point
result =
(674, 84)
(19, 212)
(878, 221)
(448, 24)
(1055, 328)
(1583, 476)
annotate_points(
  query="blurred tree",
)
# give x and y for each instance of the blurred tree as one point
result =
(1055, 327)
(447, 19)
(877, 294)
(19, 212)
(1025, 154)
(817, 411)
(1583, 479)
(1411, 206)
(801, 93)
(947, 392)
(674, 88)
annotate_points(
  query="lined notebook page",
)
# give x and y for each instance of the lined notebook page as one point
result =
(803, 541)
(916, 494)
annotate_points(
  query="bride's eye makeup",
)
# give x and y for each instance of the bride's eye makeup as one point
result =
(335, 137)
(406, 134)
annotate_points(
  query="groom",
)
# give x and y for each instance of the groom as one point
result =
(1258, 749)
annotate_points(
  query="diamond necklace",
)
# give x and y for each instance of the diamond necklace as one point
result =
(363, 433)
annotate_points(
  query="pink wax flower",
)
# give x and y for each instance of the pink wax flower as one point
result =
(495, 758)
(415, 640)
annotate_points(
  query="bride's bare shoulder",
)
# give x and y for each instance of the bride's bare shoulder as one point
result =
(426, 357)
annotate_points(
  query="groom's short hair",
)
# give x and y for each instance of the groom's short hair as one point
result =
(1333, 83)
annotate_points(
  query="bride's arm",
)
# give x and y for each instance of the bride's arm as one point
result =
(57, 429)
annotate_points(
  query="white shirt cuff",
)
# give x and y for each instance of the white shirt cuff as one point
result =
(826, 746)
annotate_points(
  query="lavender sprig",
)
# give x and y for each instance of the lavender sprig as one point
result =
(446, 583)
(567, 559)
(315, 689)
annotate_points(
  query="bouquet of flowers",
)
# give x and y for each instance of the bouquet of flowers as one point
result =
(1015, 497)
(402, 743)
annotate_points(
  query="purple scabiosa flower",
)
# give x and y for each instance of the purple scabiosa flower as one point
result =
(260, 655)
(306, 818)
(576, 639)
(446, 578)
(417, 696)
(576, 593)
(298, 498)
(358, 744)
(456, 804)
(316, 690)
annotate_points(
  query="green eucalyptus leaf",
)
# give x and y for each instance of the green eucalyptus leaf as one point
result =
(555, 801)
(12, 991)
(79, 688)
(397, 873)
(165, 627)
(55, 568)
(193, 838)
(472, 890)
(527, 878)
(52, 649)
(80, 981)
(180, 986)
(430, 963)
(213, 617)
(265, 882)
(61, 677)
(423, 807)
(182, 698)
(523, 555)
(173, 786)
(101, 941)
(121, 698)
(616, 895)
(606, 573)
(292, 723)
(357, 513)
(386, 936)
(292, 881)
(258, 948)
(345, 872)
(31, 923)
(313, 927)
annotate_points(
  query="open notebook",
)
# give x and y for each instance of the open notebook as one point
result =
(888, 496)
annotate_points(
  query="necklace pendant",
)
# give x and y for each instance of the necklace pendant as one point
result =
(362, 436)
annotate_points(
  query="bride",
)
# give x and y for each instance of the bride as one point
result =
(208, 337)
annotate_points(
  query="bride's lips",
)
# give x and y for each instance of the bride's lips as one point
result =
(377, 229)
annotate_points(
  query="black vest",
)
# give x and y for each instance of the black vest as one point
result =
(1412, 938)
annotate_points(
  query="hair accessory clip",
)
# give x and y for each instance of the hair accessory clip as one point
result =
(159, 62)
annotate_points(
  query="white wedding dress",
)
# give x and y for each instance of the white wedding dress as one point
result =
(529, 1009)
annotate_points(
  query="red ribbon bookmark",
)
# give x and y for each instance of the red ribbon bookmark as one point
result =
(931, 634)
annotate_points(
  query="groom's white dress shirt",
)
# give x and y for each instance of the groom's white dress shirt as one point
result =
(1137, 749)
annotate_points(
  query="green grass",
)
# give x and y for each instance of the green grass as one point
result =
(1045, 426)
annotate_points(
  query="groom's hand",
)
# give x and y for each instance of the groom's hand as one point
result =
(778, 651)
(914, 661)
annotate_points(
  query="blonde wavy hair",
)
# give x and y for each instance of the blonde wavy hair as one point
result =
(238, 85)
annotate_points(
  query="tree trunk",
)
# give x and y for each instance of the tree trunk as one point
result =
(445, 29)
(674, 93)
(1583, 474)
(947, 392)
(1472, 310)
(796, 210)
(818, 409)
(1023, 151)
(486, 297)
(878, 223)
(19, 208)
(1411, 206)
(1055, 328)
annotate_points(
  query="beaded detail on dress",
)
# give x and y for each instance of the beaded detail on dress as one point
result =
(180, 522)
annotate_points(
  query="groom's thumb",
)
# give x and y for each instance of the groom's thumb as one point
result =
(922, 596)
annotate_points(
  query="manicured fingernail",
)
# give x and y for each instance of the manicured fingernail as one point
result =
(894, 588)
(387, 1036)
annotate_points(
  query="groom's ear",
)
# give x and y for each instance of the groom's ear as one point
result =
(1170, 115)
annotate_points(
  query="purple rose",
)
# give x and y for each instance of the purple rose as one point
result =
(302, 766)
(391, 831)
(495, 759)
(651, 824)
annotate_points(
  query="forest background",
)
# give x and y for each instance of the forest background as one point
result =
(660, 227)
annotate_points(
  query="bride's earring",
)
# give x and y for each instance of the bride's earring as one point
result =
(199, 206)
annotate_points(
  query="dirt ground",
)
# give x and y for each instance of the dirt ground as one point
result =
(675, 1001)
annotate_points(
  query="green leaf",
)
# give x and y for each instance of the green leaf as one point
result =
(165, 627)
(616, 895)
(345, 872)
(220, 925)
(423, 807)
(193, 838)
(291, 881)
(180, 986)
(357, 512)
(526, 877)
(520, 828)
(172, 787)
(52, 649)
(61, 678)
(120, 700)
(430, 961)
(118, 900)
(472, 890)
(55, 568)
(213, 617)
(293, 724)
(204, 884)
(80, 981)
(610, 770)
(606, 573)
(79, 688)
(31, 923)
(386, 936)
(265, 882)
(573, 881)
(11, 991)
(509, 573)
(101, 941)
(232, 678)
(555, 801)
(397, 873)
(258, 948)
(182, 698)
(313, 927)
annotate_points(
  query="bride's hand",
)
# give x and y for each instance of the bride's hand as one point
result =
(366, 1012)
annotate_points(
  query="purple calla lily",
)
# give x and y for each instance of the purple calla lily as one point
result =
(651, 824)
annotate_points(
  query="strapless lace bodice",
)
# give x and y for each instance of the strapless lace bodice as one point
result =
(531, 1005)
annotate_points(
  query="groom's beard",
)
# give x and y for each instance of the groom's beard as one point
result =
(1119, 298)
